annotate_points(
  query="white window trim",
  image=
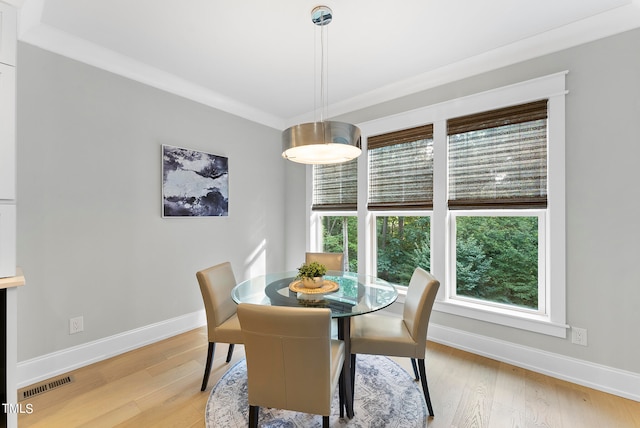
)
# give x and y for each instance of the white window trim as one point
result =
(551, 87)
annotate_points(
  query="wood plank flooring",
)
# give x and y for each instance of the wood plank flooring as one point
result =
(159, 386)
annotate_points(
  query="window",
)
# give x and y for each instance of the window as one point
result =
(401, 169)
(401, 178)
(476, 196)
(403, 242)
(335, 186)
(335, 194)
(497, 160)
(497, 258)
(339, 234)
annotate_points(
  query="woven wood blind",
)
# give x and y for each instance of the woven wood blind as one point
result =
(335, 186)
(499, 158)
(401, 169)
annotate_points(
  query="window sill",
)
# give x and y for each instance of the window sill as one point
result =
(522, 321)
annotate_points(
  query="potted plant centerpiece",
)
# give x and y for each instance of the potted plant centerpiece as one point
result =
(311, 274)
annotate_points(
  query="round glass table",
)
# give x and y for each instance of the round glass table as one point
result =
(355, 294)
(347, 294)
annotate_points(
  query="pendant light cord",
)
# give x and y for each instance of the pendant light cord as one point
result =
(323, 73)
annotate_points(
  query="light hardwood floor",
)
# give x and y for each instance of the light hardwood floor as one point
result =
(159, 386)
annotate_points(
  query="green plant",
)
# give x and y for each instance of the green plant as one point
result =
(311, 270)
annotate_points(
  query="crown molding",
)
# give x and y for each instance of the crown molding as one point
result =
(61, 43)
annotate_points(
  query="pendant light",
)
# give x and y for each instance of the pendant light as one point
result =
(323, 142)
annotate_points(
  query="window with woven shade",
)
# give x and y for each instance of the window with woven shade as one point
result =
(335, 186)
(401, 169)
(473, 190)
(498, 158)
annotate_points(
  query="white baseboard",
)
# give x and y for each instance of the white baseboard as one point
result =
(56, 363)
(614, 381)
(603, 378)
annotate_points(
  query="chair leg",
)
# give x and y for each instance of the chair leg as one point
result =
(353, 377)
(341, 394)
(425, 388)
(253, 416)
(325, 422)
(230, 353)
(207, 366)
(415, 369)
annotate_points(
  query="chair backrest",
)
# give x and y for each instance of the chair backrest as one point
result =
(216, 284)
(333, 261)
(288, 352)
(421, 294)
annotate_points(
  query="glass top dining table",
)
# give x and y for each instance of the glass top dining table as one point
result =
(349, 294)
(354, 294)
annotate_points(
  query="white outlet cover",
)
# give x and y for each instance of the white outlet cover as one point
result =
(579, 336)
(76, 325)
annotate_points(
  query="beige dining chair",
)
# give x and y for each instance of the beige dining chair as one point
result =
(399, 337)
(292, 362)
(216, 283)
(332, 261)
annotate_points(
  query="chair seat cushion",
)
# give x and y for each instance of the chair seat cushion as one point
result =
(382, 335)
(227, 332)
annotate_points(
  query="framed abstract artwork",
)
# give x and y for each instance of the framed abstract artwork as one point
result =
(194, 184)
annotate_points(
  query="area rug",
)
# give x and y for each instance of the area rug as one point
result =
(385, 396)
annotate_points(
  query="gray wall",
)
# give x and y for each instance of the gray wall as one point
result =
(91, 239)
(603, 200)
(92, 242)
(295, 215)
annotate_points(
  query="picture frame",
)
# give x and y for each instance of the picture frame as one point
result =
(194, 183)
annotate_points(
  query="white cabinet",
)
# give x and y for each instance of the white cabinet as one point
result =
(8, 43)
(7, 132)
(8, 34)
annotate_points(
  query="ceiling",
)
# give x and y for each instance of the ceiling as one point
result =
(257, 59)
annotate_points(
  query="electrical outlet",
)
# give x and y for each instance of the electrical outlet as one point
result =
(579, 336)
(76, 325)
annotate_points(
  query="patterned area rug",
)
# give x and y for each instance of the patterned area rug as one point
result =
(385, 396)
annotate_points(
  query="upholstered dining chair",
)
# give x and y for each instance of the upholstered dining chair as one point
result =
(216, 283)
(332, 261)
(399, 337)
(292, 362)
